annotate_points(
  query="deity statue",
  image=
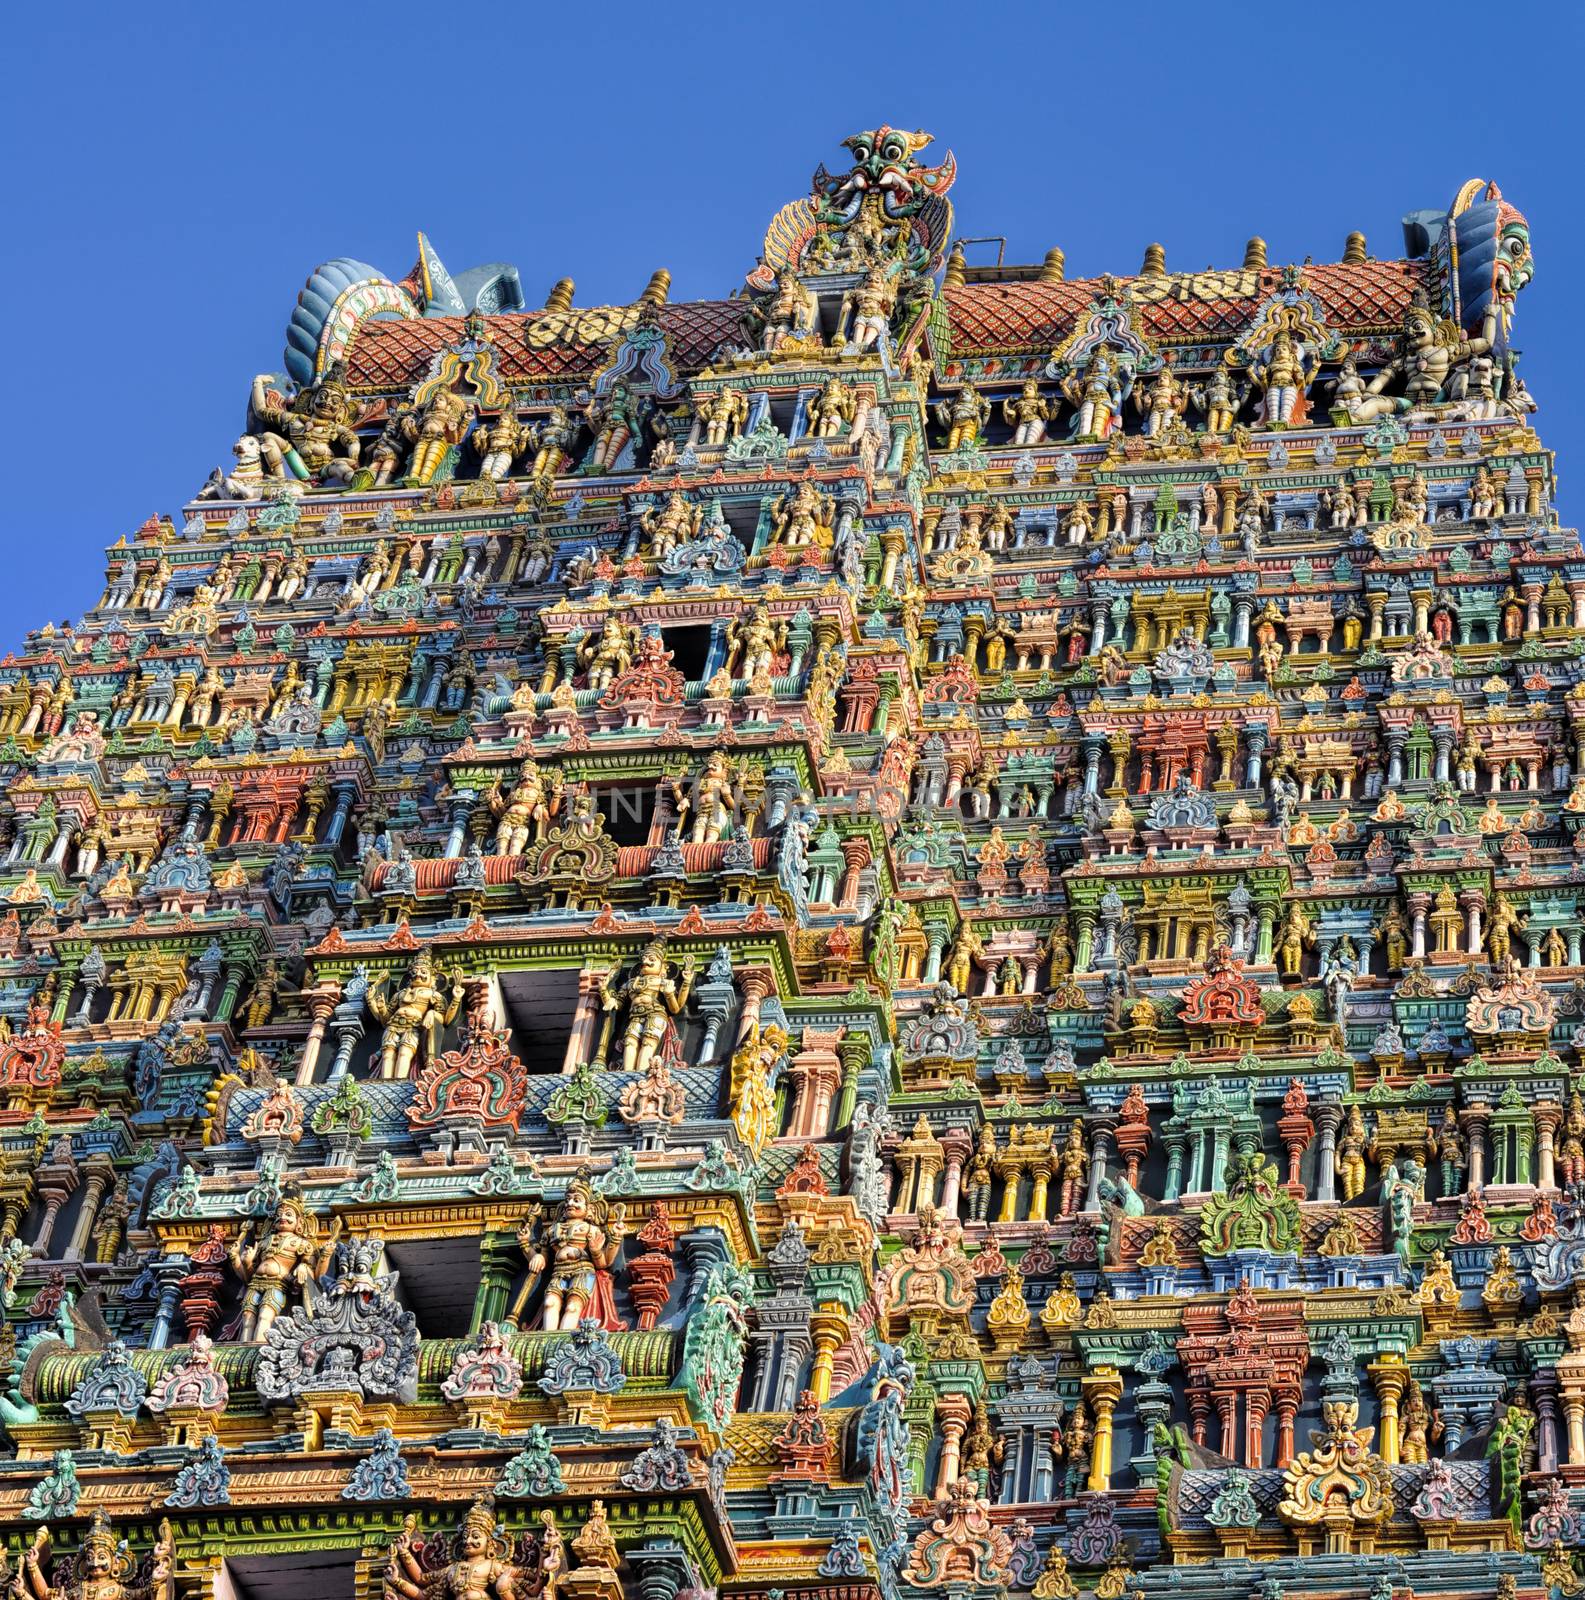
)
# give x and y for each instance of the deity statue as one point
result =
(716, 797)
(1028, 415)
(425, 1003)
(499, 441)
(614, 418)
(312, 437)
(723, 414)
(526, 814)
(610, 652)
(1282, 372)
(1500, 928)
(483, 1568)
(1296, 936)
(438, 426)
(832, 411)
(1219, 397)
(676, 523)
(579, 1248)
(802, 517)
(788, 312)
(966, 949)
(1163, 403)
(1351, 1145)
(652, 997)
(1097, 394)
(872, 302)
(753, 638)
(553, 440)
(103, 1571)
(963, 416)
(282, 1259)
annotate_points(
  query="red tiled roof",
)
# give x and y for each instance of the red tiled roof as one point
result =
(996, 316)
(389, 354)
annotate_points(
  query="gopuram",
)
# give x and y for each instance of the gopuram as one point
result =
(916, 932)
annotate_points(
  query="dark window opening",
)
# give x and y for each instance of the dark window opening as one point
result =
(539, 1008)
(690, 649)
(628, 809)
(439, 1283)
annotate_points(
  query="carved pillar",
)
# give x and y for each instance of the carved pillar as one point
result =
(1391, 1378)
(1102, 1390)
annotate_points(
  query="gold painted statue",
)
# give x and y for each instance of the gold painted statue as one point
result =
(723, 415)
(103, 1570)
(499, 442)
(578, 1248)
(424, 1004)
(522, 816)
(832, 411)
(312, 437)
(438, 427)
(483, 1569)
(278, 1262)
(963, 416)
(675, 523)
(803, 518)
(652, 997)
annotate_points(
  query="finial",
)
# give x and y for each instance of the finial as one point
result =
(1354, 247)
(1255, 254)
(560, 296)
(658, 288)
(1055, 267)
(953, 278)
(1155, 263)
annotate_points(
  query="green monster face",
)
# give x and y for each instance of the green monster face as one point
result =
(1515, 264)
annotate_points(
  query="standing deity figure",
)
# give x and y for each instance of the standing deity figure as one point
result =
(579, 1248)
(1028, 415)
(440, 425)
(613, 419)
(499, 442)
(752, 642)
(963, 416)
(1297, 936)
(675, 523)
(609, 652)
(723, 414)
(286, 1257)
(482, 1570)
(1097, 394)
(553, 440)
(652, 997)
(1079, 523)
(1163, 403)
(966, 948)
(715, 799)
(833, 409)
(873, 302)
(1393, 932)
(1351, 1145)
(788, 311)
(1073, 1162)
(1571, 1142)
(1282, 372)
(802, 517)
(413, 1018)
(524, 815)
(977, 1174)
(396, 438)
(1219, 397)
(311, 438)
(102, 1571)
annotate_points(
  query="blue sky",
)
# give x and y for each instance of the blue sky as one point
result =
(176, 171)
